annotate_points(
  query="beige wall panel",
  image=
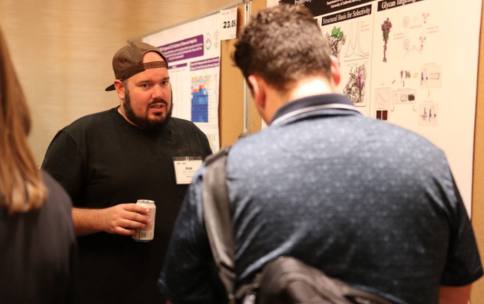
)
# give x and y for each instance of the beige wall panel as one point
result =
(231, 97)
(477, 295)
(254, 119)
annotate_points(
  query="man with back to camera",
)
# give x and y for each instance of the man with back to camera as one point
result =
(364, 201)
(108, 160)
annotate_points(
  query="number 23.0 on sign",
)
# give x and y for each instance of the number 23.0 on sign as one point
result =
(229, 24)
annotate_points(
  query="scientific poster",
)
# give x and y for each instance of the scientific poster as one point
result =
(412, 63)
(193, 53)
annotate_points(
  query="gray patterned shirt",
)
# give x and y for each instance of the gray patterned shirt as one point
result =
(365, 201)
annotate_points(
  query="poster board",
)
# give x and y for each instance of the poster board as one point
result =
(412, 63)
(477, 295)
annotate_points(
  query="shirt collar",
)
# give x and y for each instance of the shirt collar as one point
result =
(312, 105)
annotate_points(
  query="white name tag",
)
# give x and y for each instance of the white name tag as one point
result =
(185, 168)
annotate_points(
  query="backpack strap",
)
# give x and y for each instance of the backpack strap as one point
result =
(217, 218)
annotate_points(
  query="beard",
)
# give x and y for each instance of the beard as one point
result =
(143, 122)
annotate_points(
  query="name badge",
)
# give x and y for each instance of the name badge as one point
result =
(185, 168)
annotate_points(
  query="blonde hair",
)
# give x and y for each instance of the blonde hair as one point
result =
(21, 185)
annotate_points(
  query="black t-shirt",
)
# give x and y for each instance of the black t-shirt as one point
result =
(38, 252)
(102, 160)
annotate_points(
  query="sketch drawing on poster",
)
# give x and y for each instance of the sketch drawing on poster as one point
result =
(349, 35)
(356, 85)
(404, 76)
(211, 42)
(385, 28)
(428, 113)
(406, 96)
(336, 40)
(418, 47)
(384, 100)
(431, 76)
(355, 48)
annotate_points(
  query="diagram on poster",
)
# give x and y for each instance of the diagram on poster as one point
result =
(349, 35)
(406, 63)
(412, 63)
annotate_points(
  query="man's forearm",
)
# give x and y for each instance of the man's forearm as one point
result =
(454, 295)
(87, 221)
(121, 219)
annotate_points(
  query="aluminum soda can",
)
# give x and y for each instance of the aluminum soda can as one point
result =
(147, 234)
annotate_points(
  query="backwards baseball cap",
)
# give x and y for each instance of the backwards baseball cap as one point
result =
(128, 61)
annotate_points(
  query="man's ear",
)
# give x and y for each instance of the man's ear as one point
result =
(120, 90)
(335, 72)
(258, 91)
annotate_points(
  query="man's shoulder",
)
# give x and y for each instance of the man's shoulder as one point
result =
(180, 122)
(372, 134)
(90, 119)
(58, 200)
(94, 121)
(184, 126)
(401, 135)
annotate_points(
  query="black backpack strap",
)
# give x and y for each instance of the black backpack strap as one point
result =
(217, 218)
(298, 282)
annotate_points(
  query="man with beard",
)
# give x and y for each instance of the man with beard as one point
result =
(108, 160)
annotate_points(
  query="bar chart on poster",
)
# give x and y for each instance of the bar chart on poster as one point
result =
(412, 63)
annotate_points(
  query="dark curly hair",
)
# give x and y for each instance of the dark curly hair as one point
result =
(282, 44)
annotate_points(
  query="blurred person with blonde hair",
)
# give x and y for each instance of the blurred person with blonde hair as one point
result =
(37, 242)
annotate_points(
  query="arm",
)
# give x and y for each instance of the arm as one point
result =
(121, 219)
(206, 146)
(199, 140)
(65, 160)
(189, 274)
(454, 295)
(463, 265)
